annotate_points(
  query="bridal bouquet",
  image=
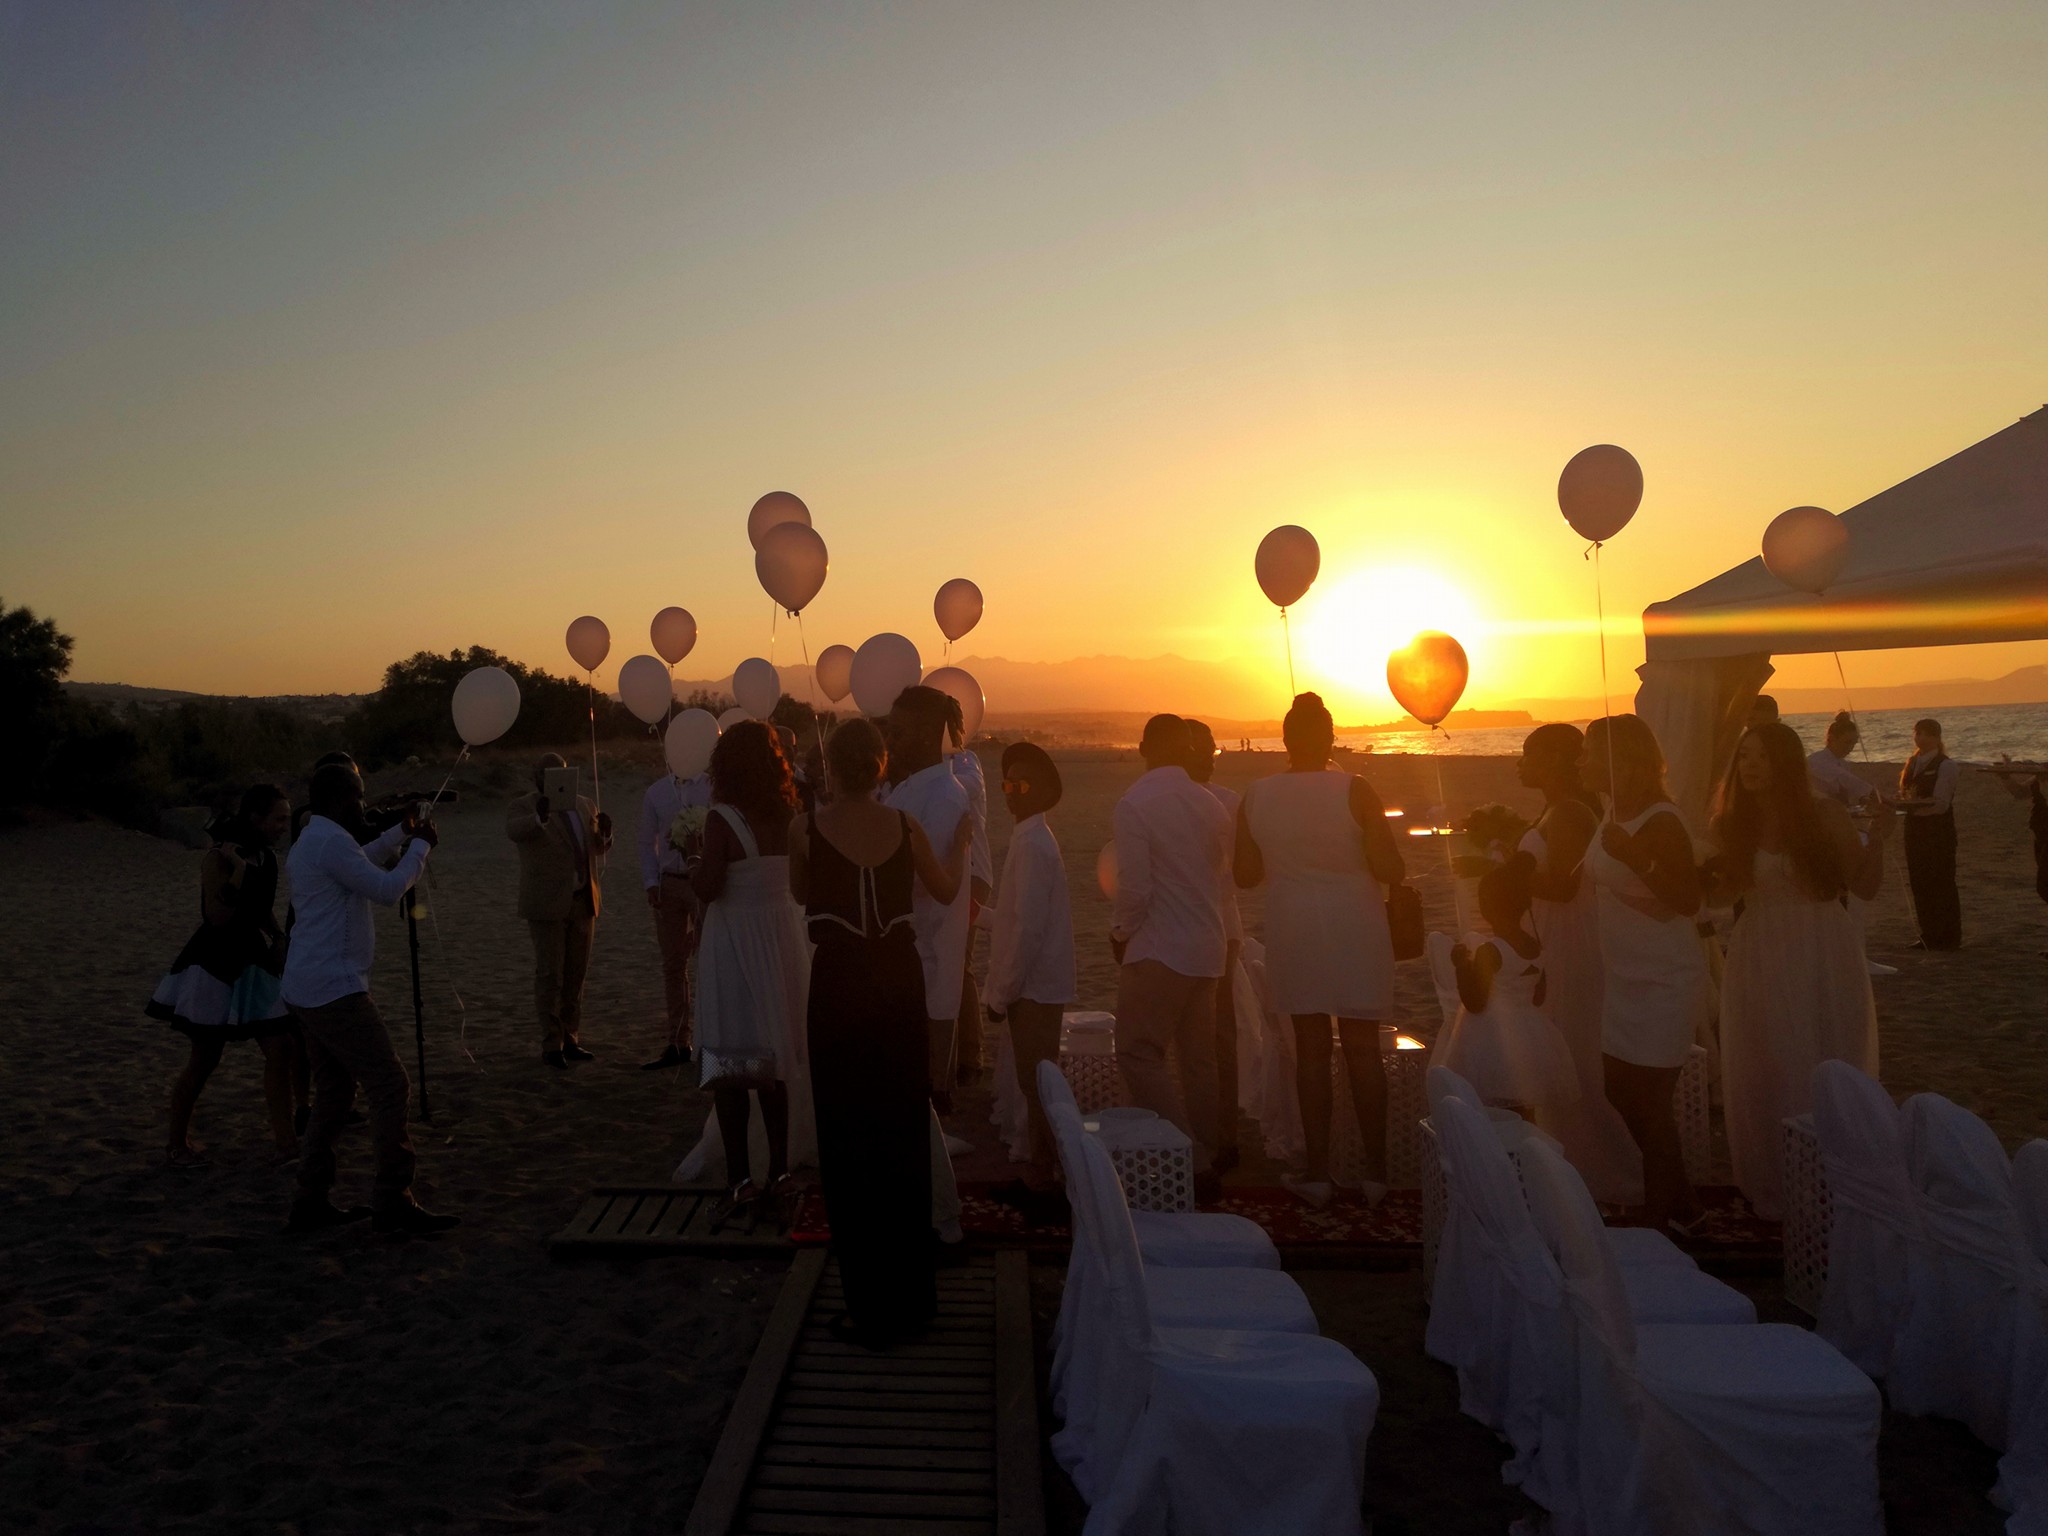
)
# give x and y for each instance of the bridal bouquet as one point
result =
(686, 832)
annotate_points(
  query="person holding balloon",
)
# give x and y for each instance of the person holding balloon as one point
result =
(1654, 982)
(1318, 839)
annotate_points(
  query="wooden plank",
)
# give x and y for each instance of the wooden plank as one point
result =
(777, 1452)
(680, 1209)
(977, 1403)
(824, 1346)
(782, 1523)
(871, 1437)
(871, 1418)
(976, 1385)
(979, 1367)
(725, 1480)
(825, 1502)
(876, 1479)
(618, 1221)
(1020, 1492)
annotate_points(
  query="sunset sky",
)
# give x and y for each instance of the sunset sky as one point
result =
(335, 332)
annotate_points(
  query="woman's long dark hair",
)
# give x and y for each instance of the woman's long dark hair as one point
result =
(1738, 820)
(1638, 760)
(1560, 744)
(750, 774)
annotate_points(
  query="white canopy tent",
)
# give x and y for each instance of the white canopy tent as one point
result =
(1956, 555)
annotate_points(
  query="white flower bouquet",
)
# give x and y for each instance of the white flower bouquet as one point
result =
(686, 832)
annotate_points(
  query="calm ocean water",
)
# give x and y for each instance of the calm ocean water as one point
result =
(1975, 733)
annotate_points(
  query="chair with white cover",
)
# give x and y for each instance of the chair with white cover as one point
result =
(1264, 1300)
(1179, 1239)
(1496, 1301)
(1213, 1432)
(1673, 1429)
(2023, 1470)
(1874, 1216)
(1955, 1352)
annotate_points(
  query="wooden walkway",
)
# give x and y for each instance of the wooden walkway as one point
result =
(934, 1437)
(667, 1218)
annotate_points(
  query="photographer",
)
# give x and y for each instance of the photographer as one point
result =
(561, 864)
(334, 879)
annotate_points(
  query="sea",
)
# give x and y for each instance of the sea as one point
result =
(1974, 733)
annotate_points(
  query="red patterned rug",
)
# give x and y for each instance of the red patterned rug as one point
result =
(1346, 1227)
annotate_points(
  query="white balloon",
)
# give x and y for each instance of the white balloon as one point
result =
(883, 667)
(1286, 564)
(834, 671)
(957, 607)
(757, 687)
(959, 684)
(644, 687)
(732, 717)
(687, 746)
(589, 643)
(486, 703)
(1806, 547)
(674, 633)
(772, 511)
(790, 563)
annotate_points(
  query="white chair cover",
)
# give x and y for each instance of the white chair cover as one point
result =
(1875, 1216)
(2023, 1470)
(1694, 1430)
(1955, 1353)
(1265, 1060)
(1211, 1433)
(1495, 1309)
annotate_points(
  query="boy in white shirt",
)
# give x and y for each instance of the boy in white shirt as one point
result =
(1031, 958)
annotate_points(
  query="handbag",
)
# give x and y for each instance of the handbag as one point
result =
(1404, 920)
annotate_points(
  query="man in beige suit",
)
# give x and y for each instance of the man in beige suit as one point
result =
(561, 866)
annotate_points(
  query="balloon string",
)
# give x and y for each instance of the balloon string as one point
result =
(596, 785)
(1862, 747)
(1287, 638)
(451, 774)
(810, 685)
(1606, 704)
(774, 611)
(1443, 805)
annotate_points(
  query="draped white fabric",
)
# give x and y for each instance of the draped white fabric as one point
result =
(2023, 1470)
(1875, 1217)
(1211, 1432)
(1496, 1308)
(1692, 1430)
(1265, 1060)
(1955, 1354)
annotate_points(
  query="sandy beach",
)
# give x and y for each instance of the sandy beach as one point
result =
(168, 1361)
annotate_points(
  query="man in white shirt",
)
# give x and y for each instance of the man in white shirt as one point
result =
(922, 786)
(1833, 778)
(675, 906)
(327, 987)
(1167, 931)
(1031, 954)
(1927, 794)
(1202, 769)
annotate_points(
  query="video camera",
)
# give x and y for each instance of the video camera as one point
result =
(387, 811)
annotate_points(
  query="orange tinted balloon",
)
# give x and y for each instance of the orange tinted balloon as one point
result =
(1806, 547)
(1600, 490)
(1105, 870)
(589, 642)
(1427, 676)
(772, 511)
(1286, 564)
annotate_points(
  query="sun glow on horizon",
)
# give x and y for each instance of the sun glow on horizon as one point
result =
(1350, 626)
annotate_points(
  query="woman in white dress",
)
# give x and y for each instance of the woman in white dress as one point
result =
(752, 970)
(1647, 877)
(1795, 990)
(1500, 1041)
(1564, 910)
(1318, 838)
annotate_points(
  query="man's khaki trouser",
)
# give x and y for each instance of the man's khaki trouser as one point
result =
(561, 959)
(1158, 1007)
(675, 930)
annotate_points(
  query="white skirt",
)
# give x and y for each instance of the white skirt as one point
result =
(1327, 946)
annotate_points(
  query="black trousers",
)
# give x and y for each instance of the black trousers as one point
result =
(1931, 870)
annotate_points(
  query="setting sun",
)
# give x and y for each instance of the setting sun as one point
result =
(1349, 626)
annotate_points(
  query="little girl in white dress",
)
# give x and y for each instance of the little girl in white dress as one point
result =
(1501, 1041)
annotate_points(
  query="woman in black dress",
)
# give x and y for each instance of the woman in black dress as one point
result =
(851, 864)
(224, 984)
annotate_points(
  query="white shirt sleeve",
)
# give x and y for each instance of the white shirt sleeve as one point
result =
(1021, 919)
(350, 868)
(381, 849)
(1133, 870)
(1945, 778)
